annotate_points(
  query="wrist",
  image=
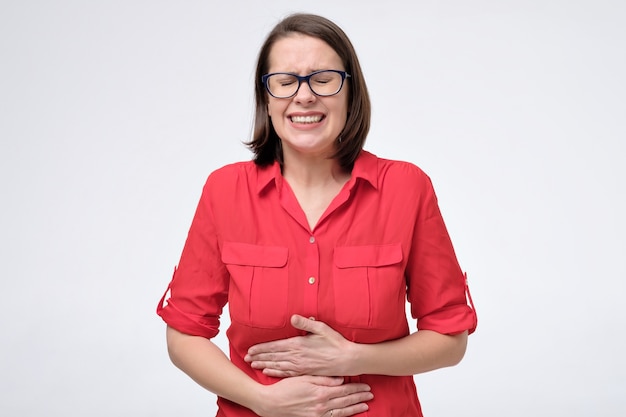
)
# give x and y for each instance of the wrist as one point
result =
(352, 359)
(258, 400)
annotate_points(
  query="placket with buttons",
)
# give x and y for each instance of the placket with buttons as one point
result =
(312, 278)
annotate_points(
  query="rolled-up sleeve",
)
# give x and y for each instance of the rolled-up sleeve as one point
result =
(196, 295)
(437, 287)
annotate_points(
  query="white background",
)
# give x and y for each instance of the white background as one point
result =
(112, 114)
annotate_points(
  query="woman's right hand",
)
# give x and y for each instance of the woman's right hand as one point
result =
(313, 396)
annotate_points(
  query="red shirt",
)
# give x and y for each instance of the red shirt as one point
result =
(381, 240)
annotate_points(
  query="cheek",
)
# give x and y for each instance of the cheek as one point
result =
(273, 108)
(344, 108)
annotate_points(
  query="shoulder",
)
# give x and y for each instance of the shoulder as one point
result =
(398, 173)
(404, 184)
(235, 168)
(232, 173)
(230, 179)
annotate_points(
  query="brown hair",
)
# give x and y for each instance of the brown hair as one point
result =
(265, 142)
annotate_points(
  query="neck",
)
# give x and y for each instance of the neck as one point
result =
(312, 171)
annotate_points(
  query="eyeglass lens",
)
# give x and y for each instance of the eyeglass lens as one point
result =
(324, 83)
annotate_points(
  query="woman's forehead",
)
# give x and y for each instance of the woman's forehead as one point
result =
(302, 54)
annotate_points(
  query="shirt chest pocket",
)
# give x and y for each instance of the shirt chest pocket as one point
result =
(258, 289)
(369, 286)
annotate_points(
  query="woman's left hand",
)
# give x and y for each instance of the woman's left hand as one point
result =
(322, 352)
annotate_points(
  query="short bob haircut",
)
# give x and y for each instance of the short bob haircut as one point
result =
(265, 143)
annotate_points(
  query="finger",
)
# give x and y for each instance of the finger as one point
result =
(271, 357)
(265, 364)
(327, 381)
(279, 366)
(347, 411)
(308, 325)
(347, 390)
(271, 347)
(275, 373)
(264, 357)
(352, 399)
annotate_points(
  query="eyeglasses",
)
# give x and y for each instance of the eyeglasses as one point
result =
(322, 83)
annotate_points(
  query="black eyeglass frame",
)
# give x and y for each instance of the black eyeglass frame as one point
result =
(301, 79)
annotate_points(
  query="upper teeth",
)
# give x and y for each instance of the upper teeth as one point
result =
(306, 119)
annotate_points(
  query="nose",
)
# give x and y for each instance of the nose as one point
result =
(304, 93)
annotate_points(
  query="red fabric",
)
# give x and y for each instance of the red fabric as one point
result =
(381, 240)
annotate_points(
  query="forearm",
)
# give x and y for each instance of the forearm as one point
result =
(324, 351)
(416, 353)
(208, 366)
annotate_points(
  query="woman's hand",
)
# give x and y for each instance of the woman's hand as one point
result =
(314, 396)
(321, 352)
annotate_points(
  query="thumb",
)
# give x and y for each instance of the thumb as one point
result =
(302, 323)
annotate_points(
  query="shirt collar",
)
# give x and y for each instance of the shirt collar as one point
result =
(266, 175)
(365, 167)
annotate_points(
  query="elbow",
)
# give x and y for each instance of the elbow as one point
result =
(174, 341)
(458, 348)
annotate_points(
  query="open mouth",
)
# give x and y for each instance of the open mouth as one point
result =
(307, 119)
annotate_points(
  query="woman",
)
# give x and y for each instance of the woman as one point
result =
(315, 245)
